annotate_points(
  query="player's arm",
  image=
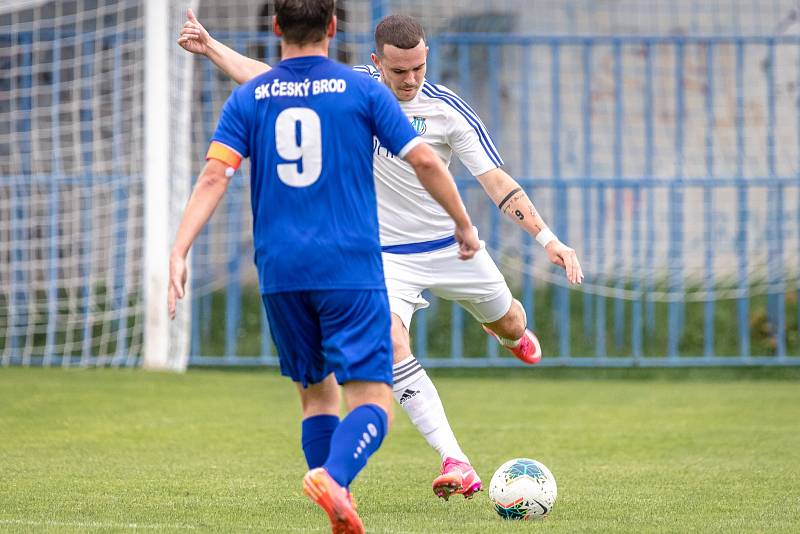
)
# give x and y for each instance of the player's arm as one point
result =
(197, 40)
(211, 186)
(436, 179)
(512, 200)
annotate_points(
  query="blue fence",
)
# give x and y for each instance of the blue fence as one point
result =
(670, 164)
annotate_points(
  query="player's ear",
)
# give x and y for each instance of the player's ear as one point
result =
(375, 60)
(332, 27)
(275, 28)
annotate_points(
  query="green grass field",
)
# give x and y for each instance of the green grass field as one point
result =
(632, 451)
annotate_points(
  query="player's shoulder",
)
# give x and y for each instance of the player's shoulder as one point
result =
(447, 100)
(442, 93)
(369, 70)
(250, 87)
(361, 84)
(438, 88)
(334, 69)
(369, 79)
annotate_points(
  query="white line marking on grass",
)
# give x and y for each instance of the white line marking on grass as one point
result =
(92, 524)
(145, 526)
(161, 526)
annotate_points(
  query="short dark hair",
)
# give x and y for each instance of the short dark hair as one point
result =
(401, 31)
(304, 21)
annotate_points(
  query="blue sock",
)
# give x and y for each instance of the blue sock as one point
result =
(359, 435)
(316, 439)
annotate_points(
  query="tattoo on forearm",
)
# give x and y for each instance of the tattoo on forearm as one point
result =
(508, 197)
(510, 206)
(539, 225)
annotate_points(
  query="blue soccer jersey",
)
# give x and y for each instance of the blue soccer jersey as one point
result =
(307, 126)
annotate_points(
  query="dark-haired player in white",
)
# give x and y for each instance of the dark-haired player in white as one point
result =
(416, 233)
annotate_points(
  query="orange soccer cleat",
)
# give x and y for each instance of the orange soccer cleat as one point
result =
(335, 500)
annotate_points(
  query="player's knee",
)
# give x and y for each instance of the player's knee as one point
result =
(321, 398)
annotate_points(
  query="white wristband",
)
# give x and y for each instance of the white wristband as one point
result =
(545, 236)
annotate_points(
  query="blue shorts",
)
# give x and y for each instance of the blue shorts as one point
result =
(341, 331)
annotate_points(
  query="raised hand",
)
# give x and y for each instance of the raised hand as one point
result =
(194, 37)
(562, 255)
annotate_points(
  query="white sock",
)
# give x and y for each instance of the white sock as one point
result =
(514, 342)
(508, 342)
(418, 396)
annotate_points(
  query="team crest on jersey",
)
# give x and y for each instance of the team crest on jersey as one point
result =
(419, 125)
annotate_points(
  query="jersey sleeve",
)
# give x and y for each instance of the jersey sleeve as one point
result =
(230, 139)
(390, 124)
(471, 141)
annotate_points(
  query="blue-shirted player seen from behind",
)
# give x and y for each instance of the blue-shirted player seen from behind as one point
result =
(307, 126)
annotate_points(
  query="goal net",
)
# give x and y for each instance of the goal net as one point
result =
(76, 101)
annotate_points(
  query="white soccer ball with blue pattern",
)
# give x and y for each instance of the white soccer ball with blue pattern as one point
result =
(523, 489)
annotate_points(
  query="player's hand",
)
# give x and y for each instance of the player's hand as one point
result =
(177, 282)
(194, 38)
(468, 244)
(562, 255)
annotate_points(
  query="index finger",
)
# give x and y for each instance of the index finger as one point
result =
(171, 301)
(575, 267)
(567, 264)
(580, 271)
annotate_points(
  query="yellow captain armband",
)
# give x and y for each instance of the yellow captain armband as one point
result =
(226, 155)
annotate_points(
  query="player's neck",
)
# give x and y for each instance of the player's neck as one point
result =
(289, 50)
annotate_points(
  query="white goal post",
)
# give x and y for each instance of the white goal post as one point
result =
(167, 179)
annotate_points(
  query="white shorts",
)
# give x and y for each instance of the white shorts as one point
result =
(476, 284)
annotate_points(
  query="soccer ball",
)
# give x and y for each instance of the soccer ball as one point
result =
(523, 489)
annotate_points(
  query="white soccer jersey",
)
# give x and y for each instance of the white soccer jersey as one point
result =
(407, 213)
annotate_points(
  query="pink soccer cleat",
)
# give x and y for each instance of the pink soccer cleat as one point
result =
(456, 477)
(335, 500)
(528, 350)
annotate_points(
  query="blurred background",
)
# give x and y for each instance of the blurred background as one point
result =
(660, 139)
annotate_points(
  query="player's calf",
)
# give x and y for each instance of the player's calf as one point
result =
(511, 326)
(359, 434)
(510, 331)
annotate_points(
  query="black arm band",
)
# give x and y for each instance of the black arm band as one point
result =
(508, 197)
